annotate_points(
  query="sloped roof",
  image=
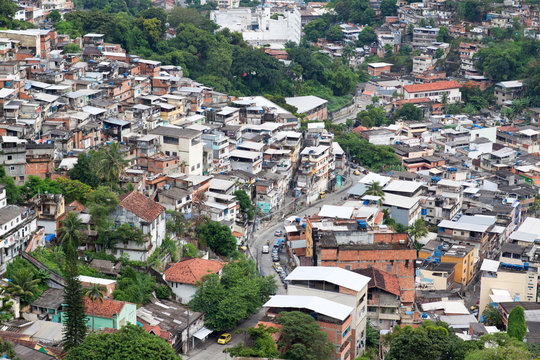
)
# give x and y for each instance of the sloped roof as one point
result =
(381, 279)
(438, 85)
(141, 206)
(335, 275)
(192, 270)
(106, 309)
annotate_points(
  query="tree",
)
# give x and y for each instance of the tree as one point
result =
(418, 230)
(71, 48)
(12, 192)
(85, 169)
(375, 189)
(245, 203)
(491, 317)
(131, 342)
(499, 346)
(388, 8)
(444, 34)
(75, 323)
(302, 338)
(517, 328)
(7, 9)
(111, 163)
(134, 286)
(372, 116)
(409, 112)
(218, 237)
(7, 305)
(163, 292)
(428, 341)
(24, 285)
(261, 344)
(54, 16)
(334, 33)
(367, 36)
(235, 296)
(95, 292)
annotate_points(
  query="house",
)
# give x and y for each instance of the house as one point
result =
(142, 213)
(462, 256)
(174, 323)
(334, 319)
(527, 233)
(403, 209)
(313, 107)
(339, 285)
(185, 143)
(249, 161)
(507, 91)
(107, 285)
(383, 298)
(183, 276)
(49, 305)
(110, 313)
(438, 91)
(377, 69)
(424, 36)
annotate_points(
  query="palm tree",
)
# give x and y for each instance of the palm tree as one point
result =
(23, 284)
(94, 292)
(111, 164)
(70, 232)
(375, 189)
(417, 231)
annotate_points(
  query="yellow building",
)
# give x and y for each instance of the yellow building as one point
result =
(461, 255)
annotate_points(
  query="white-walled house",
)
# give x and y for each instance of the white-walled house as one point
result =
(183, 276)
(142, 213)
(434, 91)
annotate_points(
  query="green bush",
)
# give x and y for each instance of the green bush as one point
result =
(163, 292)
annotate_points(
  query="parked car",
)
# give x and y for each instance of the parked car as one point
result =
(224, 339)
(265, 249)
(278, 233)
(356, 172)
(353, 166)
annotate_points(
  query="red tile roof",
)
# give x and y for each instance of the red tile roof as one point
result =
(412, 101)
(434, 86)
(360, 129)
(141, 206)
(381, 279)
(106, 309)
(192, 270)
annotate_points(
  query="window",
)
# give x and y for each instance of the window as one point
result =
(193, 168)
(9, 157)
(347, 267)
(389, 268)
(12, 168)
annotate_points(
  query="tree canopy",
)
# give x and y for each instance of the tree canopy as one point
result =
(218, 238)
(235, 296)
(131, 342)
(517, 328)
(375, 157)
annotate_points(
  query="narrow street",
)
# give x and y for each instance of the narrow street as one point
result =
(211, 349)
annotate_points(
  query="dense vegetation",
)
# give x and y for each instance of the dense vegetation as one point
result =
(375, 157)
(238, 294)
(131, 342)
(220, 59)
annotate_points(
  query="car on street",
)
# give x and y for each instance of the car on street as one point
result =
(265, 249)
(278, 233)
(224, 339)
(353, 166)
(356, 172)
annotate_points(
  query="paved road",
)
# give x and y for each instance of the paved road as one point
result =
(360, 105)
(212, 350)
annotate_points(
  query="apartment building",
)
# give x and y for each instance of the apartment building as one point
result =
(508, 91)
(462, 256)
(186, 144)
(336, 284)
(313, 170)
(424, 37)
(437, 91)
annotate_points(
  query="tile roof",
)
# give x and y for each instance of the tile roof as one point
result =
(106, 309)
(192, 270)
(141, 206)
(437, 85)
(381, 279)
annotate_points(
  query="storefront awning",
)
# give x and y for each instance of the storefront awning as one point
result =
(202, 333)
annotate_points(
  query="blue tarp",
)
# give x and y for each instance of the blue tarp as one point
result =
(49, 237)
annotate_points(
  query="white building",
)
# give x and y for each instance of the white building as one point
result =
(142, 213)
(257, 26)
(434, 91)
(339, 285)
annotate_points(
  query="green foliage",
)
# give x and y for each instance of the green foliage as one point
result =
(316, 29)
(375, 157)
(71, 48)
(507, 60)
(409, 112)
(176, 224)
(235, 296)
(492, 317)
(134, 286)
(388, 8)
(12, 192)
(417, 231)
(189, 250)
(54, 16)
(302, 338)
(499, 346)
(26, 282)
(75, 324)
(334, 33)
(84, 169)
(6, 348)
(428, 341)
(262, 344)
(218, 238)
(372, 116)
(244, 200)
(444, 35)
(471, 10)
(163, 292)
(7, 9)
(354, 11)
(367, 36)
(517, 328)
(130, 343)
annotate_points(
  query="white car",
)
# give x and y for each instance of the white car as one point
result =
(265, 249)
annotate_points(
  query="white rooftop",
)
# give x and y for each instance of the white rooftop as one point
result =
(449, 307)
(405, 202)
(489, 265)
(95, 280)
(374, 177)
(335, 275)
(476, 223)
(313, 303)
(336, 212)
(305, 103)
(528, 231)
(379, 64)
(403, 186)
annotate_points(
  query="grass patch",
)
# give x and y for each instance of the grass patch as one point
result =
(338, 102)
